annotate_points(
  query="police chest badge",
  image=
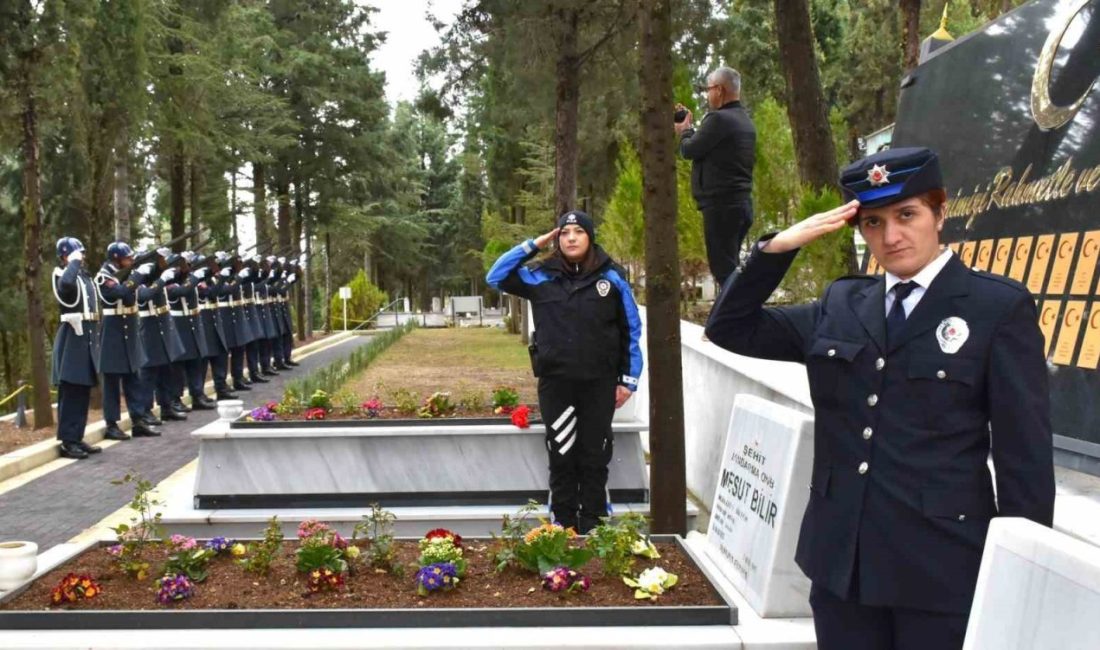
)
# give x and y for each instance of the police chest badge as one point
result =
(952, 333)
(603, 287)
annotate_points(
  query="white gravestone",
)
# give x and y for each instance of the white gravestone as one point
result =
(758, 505)
(1038, 589)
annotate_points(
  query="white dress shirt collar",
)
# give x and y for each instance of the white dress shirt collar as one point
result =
(926, 275)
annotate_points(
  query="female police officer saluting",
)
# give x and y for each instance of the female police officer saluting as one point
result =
(914, 378)
(586, 356)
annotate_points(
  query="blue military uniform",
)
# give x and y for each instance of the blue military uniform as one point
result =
(901, 493)
(190, 370)
(209, 287)
(163, 347)
(75, 348)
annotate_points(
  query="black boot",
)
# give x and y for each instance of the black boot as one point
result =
(72, 450)
(114, 433)
(141, 430)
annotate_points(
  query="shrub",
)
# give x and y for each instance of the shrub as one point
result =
(366, 299)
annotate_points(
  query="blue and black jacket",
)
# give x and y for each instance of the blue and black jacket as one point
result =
(586, 325)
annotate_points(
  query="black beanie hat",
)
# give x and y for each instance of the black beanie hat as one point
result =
(578, 218)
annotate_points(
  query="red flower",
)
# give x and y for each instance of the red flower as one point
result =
(316, 413)
(519, 417)
(443, 532)
(272, 406)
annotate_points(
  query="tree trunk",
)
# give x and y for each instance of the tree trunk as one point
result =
(196, 201)
(282, 192)
(233, 204)
(567, 100)
(32, 252)
(666, 393)
(259, 206)
(328, 282)
(808, 114)
(122, 188)
(177, 190)
(296, 245)
(910, 33)
(9, 377)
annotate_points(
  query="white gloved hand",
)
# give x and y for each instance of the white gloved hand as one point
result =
(76, 256)
(201, 273)
(245, 272)
(168, 275)
(145, 269)
(226, 272)
(291, 278)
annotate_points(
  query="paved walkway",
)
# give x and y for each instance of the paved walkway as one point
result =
(59, 505)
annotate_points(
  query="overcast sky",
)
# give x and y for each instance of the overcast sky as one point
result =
(408, 34)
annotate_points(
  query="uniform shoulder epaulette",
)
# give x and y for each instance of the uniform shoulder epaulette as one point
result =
(1000, 279)
(858, 276)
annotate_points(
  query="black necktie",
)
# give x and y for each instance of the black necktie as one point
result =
(896, 318)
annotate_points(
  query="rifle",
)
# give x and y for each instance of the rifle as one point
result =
(152, 254)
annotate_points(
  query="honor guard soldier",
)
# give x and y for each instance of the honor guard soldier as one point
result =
(275, 304)
(263, 307)
(210, 286)
(918, 378)
(241, 355)
(120, 352)
(161, 341)
(75, 348)
(249, 277)
(191, 368)
(288, 338)
(231, 316)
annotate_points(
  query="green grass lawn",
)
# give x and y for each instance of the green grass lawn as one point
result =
(460, 361)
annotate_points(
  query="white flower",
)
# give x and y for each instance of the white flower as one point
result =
(653, 580)
(645, 549)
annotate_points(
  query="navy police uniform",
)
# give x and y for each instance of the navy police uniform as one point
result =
(75, 348)
(901, 494)
(586, 343)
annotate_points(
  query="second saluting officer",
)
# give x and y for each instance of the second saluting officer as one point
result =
(586, 356)
(75, 348)
(917, 378)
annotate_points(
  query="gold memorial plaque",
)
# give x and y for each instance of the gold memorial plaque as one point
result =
(1068, 329)
(1086, 264)
(1019, 258)
(1001, 255)
(1048, 320)
(872, 264)
(985, 255)
(955, 247)
(1090, 347)
(1036, 277)
(967, 255)
(1063, 256)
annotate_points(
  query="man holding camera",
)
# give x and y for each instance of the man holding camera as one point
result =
(722, 152)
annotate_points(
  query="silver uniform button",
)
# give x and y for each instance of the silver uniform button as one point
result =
(872, 399)
(941, 374)
(880, 363)
(867, 433)
(962, 517)
(831, 352)
(863, 467)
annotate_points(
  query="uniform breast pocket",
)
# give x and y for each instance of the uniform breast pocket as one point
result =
(944, 382)
(828, 364)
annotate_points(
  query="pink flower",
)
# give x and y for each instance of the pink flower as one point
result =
(182, 543)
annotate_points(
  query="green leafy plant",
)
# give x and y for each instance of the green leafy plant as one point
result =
(505, 398)
(377, 530)
(502, 552)
(407, 402)
(310, 557)
(291, 403)
(437, 405)
(615, 543)
(441, 550)
(260, 555)
(192, 563)
(550, 546)
(346, 402)
(470, 400)
(144, 527)
(320, 400)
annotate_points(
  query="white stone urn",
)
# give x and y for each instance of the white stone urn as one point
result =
(230, 409)
(18, 562)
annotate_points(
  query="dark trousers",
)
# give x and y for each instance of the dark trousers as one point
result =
(195, 372)
(219, 367)
(845, 625)
(724, 228)
(158, 381)
(253, 356)
(236, 363)
(577, 414)
(132, 387)
(276, 345)
(72, 411)
(288, 345)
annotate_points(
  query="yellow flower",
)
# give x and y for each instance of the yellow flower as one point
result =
(89, 592)
(238, 549)
(352, 552)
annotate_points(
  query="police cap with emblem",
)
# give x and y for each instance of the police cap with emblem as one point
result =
(890, 176)
(578, 218)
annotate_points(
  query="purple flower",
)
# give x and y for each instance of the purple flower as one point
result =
(173, 588)
(220, 544)
(115, 550)
(438, 576)
(262, 414)
(564, 579)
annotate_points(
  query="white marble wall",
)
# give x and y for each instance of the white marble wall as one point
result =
(1038, 589)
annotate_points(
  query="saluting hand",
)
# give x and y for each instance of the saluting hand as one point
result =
(812, 228)
(622, 393)
(542, 240)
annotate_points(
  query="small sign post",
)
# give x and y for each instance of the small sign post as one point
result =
(345, 294)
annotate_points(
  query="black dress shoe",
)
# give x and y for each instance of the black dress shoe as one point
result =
(225, 394)
(241, 387)
(141, 431)
(246, 381)
(260, 380)
(114, 433)
(203, 403)
(180, 406)
(151, 420)
(293, 363)
(89, 449)
(282, 366)
(72, 450)
(172, 414)
(269, 372)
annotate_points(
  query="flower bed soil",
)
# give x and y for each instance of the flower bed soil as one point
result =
(230, 587)
(390, 416)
